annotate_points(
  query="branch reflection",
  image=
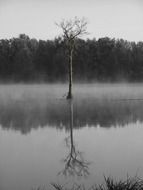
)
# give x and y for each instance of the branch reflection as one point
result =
(74, 163)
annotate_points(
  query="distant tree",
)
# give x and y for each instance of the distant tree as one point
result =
(24, 59)
(72, 29)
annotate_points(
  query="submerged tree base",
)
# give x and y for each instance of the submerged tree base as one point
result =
(69, 96)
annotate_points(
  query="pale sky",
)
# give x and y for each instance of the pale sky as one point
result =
(36, 18)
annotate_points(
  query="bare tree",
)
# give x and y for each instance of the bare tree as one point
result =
(72, 29)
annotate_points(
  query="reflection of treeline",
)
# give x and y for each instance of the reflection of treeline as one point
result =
(25, 115)
(25, 59)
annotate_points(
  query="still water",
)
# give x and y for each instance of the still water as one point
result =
(46, 139)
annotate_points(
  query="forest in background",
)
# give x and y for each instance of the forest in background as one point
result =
(107, 60)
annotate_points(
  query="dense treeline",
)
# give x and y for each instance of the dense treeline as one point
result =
(105, 59)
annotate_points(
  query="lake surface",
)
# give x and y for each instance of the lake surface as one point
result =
(46, 139)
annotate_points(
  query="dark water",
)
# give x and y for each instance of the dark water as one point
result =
(46, 139)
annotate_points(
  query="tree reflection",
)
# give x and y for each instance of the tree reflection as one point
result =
(74, 163)
(26, 114)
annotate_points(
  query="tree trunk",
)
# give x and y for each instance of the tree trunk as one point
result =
(70, 96)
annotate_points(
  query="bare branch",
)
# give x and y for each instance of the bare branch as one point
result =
(73, 28)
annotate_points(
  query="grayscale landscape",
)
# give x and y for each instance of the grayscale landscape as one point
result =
(71, 94)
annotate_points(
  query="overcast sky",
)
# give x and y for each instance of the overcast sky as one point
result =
(36, 18)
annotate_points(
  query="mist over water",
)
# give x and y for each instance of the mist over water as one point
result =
(45, 138)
